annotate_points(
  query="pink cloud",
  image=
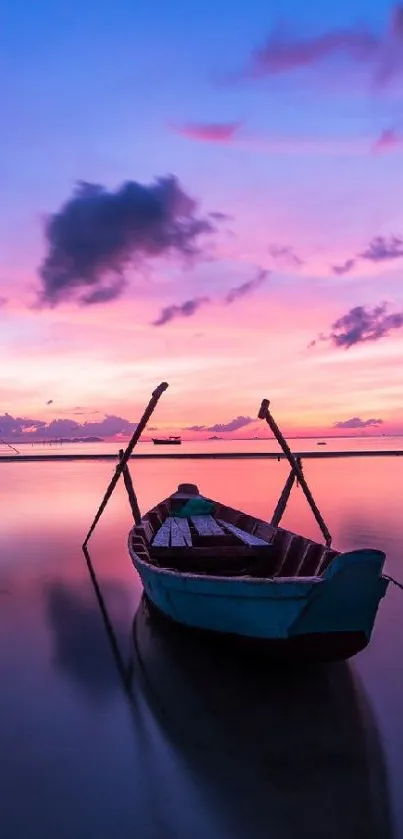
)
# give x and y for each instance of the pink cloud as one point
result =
(388, 141)
(277, 144)
(213, 132)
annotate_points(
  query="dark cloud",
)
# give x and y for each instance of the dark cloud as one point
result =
(3, 301)
(105, 293)
(356, 422)
(360, 325)
(285, 254)
(382, 249)
(213, 132)
(246, 288)
(17, 428)
(98, 233)
(379, 249)
(233, 425)
(183, 310)
(345, 268)
(284, 52)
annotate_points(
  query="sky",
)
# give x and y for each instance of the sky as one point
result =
(207, 194)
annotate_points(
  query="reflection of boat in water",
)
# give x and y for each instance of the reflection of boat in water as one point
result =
(167, 441)
(285, 753)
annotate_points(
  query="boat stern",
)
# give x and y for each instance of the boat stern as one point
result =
(348, 598)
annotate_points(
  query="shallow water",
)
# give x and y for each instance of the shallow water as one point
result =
(265, 444)
(207, 745)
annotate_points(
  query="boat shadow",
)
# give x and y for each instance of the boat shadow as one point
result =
(276, 750)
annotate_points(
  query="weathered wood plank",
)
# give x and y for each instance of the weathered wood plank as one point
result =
(163, 535)
(177, 537)
(245, 537)
(184, 528)
(207, 526)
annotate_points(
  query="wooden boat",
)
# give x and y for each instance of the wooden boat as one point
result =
(210, 567)
(167, 441)
(231, 573)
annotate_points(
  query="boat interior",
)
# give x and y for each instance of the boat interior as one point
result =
(223, 542)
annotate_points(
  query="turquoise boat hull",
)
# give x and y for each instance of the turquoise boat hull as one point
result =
(329, 617)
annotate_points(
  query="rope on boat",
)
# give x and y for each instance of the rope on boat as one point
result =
(392, 580)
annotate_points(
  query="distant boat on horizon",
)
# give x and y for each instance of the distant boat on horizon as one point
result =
(167, 441)
(321, 443)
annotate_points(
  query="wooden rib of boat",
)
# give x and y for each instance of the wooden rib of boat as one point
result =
(234, 574)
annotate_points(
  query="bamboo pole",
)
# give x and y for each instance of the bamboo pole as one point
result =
(265, 414)
(282, 501)
(130, 490)
(4, 442)
(139, 430)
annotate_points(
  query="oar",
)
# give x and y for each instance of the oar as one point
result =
(264, 413)
(136, 436)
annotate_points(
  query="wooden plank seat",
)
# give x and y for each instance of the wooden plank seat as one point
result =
(247, 538)
(207, 526)
(182, 526)
(204, 547)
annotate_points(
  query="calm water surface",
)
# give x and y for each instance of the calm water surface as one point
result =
(209, 744)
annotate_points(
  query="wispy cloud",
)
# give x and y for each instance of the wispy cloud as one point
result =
(183, 310)
(195, 428)
(360, 325)
(246, 288)
(217, 216)
(222, 427)
(345, 268)
(357, 422)
(285, 254)
(284, 52)
(97, 233)
(209, 132)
